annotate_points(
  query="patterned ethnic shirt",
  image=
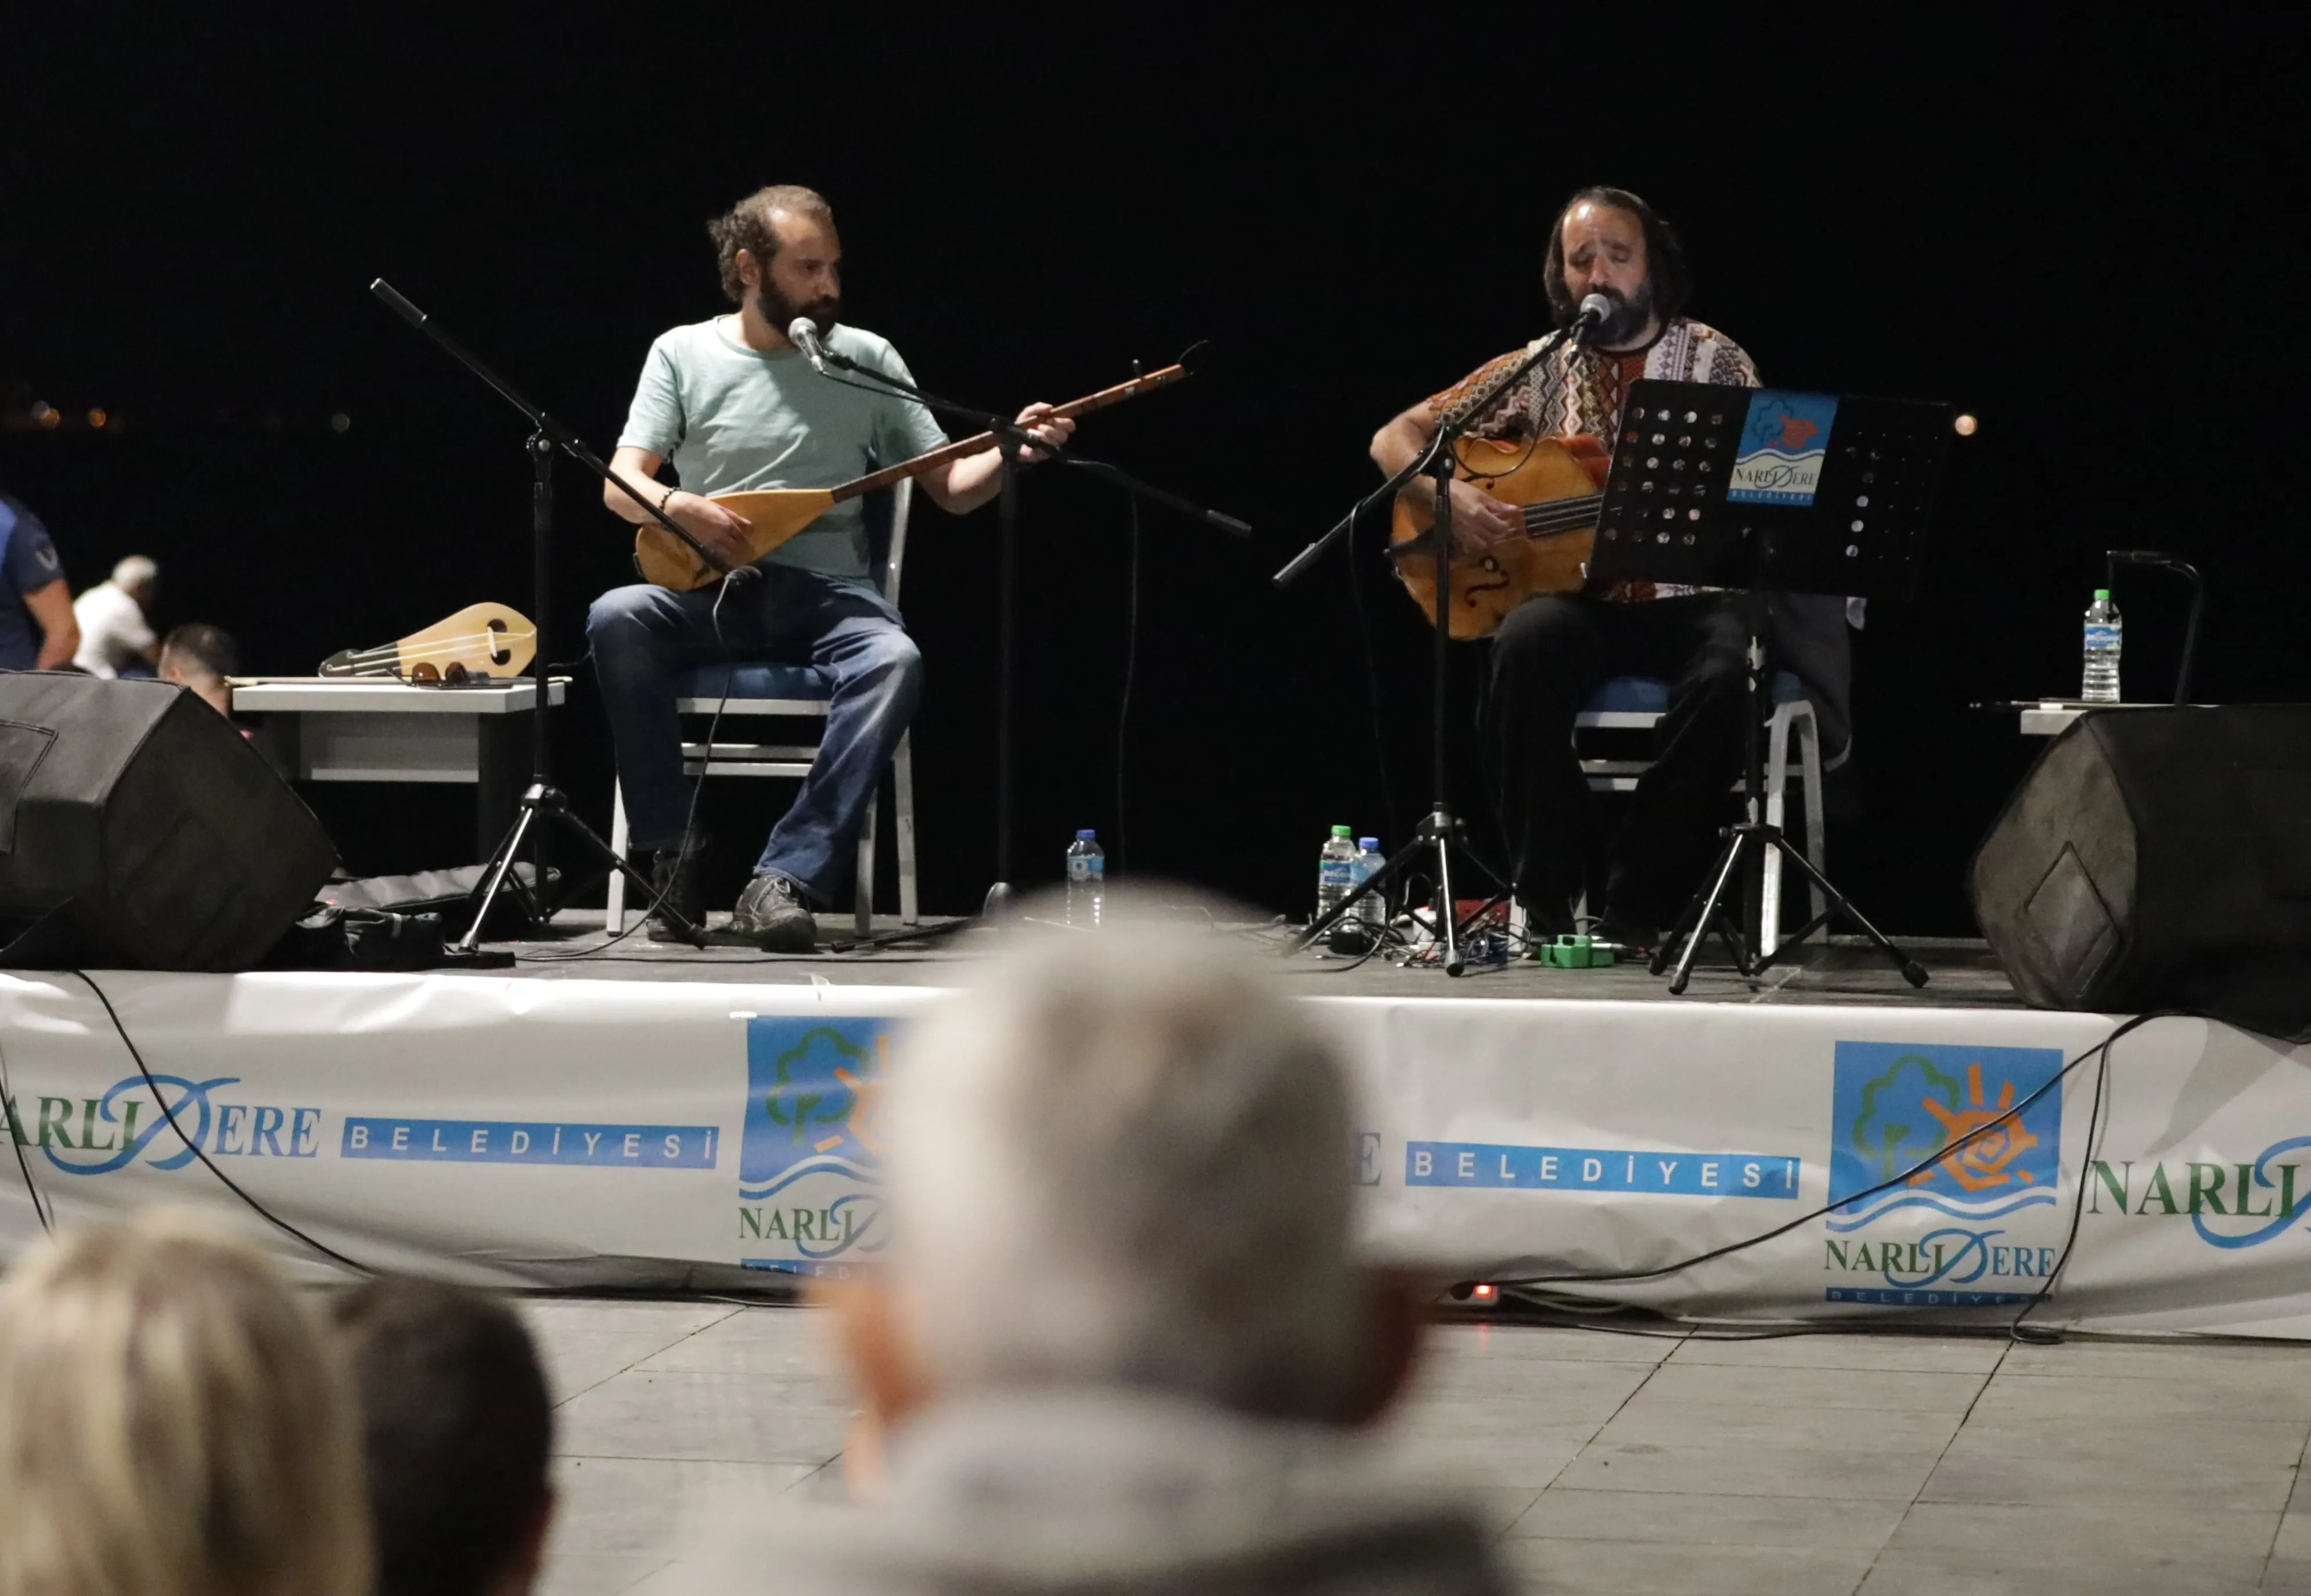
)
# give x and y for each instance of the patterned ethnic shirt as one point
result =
(1576, 391)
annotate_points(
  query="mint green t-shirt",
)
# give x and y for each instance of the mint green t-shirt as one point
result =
(734, 419)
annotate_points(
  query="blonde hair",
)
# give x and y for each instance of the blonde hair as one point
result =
(172, 1424)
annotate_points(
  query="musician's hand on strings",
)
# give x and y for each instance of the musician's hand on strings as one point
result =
(1480, 521)
(719, 528)
(1046, 426)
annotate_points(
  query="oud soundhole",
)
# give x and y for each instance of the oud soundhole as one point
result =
(499, 655)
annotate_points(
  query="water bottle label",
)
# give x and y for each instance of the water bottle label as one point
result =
(2102, 635)
(1095, 869)
(1337, 872)
(1078, 868)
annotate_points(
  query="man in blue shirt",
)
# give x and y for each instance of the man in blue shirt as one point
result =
(736, 407)
(37, 629)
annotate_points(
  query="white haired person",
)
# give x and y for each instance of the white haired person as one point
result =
(1120, 1342)
(116, 639)
(171, 1424)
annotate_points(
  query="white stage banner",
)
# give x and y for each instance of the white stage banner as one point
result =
(553, 1132)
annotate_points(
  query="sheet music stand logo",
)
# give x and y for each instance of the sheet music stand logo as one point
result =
(1784, 443)
(810, 1153)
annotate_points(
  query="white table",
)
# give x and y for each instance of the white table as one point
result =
(2050, 717)
(375, 729)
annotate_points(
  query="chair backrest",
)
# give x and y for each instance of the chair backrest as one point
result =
(886, 511)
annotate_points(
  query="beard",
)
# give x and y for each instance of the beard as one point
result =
(779, 312)
(1630, 318)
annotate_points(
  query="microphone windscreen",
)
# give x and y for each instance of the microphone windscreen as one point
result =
(1597, 308)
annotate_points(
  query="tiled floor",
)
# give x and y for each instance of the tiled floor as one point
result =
(1607, 1462)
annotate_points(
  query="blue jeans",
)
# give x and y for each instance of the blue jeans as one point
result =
(645, 638)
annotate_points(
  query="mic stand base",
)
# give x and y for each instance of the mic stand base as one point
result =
(544, 807)
(1432, 842)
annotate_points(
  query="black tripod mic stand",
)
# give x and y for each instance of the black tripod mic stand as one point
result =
(542, 802)
(1440, 832)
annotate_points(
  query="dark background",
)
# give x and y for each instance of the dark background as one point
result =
(2078, 236)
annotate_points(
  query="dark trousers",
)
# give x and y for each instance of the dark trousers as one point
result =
(1551, 654)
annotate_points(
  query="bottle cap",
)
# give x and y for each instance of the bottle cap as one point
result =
(1371, 842)
(1087, 835)
(2102, 594)
(1344, 831)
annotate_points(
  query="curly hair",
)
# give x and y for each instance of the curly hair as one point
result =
(1665, 263)
(746, 225)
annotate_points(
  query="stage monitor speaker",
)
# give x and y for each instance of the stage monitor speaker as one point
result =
(2160, 858)
(141, 824)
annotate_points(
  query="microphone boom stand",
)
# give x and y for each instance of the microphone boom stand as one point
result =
(1012, 439)
(542, 802)
(1440, 831)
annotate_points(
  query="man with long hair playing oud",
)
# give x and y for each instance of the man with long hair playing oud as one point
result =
(737, 407)
(1553, 649)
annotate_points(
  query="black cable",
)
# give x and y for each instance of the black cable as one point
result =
(200, 1153)
(2086, 1172)
(2101, 1050)
(15, 1133)
(1123, 710)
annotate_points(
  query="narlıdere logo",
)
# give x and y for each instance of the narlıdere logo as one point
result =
(1895, 1106)
(94, 1136)
(809, 1155)
(2268, 1190)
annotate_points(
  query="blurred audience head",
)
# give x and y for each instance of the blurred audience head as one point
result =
(1124, 1160)
(172, 1424)
(137, 576)
(457, 1426)
(201, 657)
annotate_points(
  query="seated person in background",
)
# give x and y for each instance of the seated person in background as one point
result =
(116, 639)
(37, 630)
(201, 657)
(172, 1424)
(1118, 1341)
(457, 1426)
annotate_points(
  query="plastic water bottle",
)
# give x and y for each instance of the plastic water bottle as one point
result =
(1373, 909)
(1336, 870)
(1086, 880)
(2104, 635)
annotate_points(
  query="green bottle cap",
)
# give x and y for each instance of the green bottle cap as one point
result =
(1344, 831)
(2102, 594)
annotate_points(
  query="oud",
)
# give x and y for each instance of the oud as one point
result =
(777, 514)
(1554, 482)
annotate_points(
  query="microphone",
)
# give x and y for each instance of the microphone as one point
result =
(1596, 311)
(803, 334)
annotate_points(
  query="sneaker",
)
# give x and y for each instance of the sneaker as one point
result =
(678, 882)
(772, 916)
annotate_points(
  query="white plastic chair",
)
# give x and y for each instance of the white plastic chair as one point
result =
(1636, 703)
(793, 692)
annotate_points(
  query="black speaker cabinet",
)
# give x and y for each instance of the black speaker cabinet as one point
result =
(2160, 858)
(139, 815)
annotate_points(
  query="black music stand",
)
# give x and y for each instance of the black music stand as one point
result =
(1758, 489)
